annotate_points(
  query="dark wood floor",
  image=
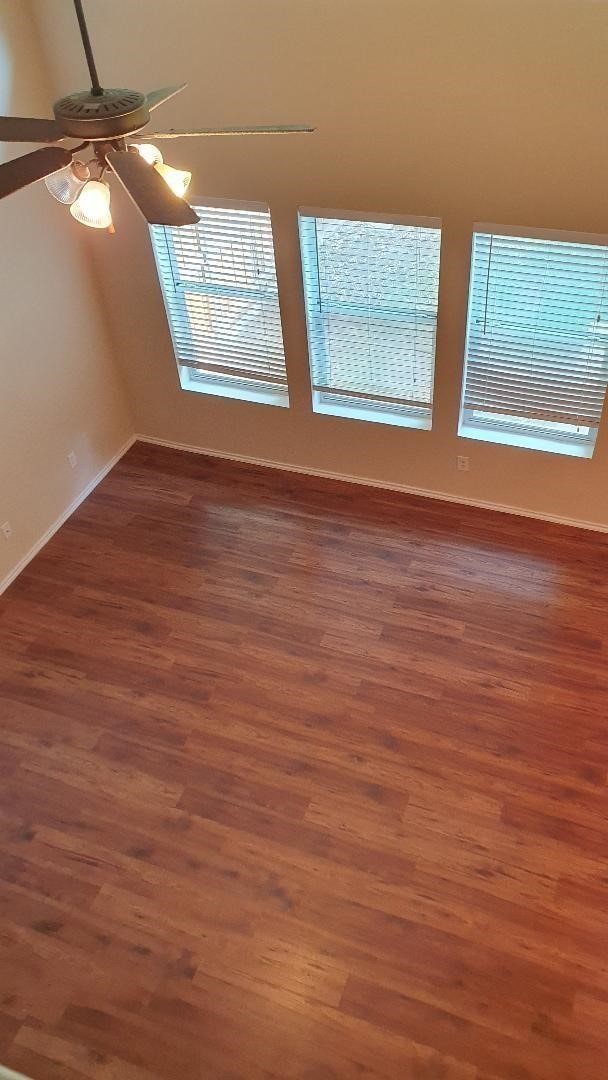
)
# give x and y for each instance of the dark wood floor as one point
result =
(303, 780)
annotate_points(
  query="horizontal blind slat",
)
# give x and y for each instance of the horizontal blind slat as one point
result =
(536, 343)
(219, 285)
(223, 369)
(371, 293)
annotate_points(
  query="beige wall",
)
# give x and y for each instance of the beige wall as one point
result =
(472, 110)
(59, 387)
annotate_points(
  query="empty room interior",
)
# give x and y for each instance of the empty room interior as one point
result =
(303, 540)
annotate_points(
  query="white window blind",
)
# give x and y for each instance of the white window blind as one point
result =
(536, 363)
(220, 288)
(371, 289)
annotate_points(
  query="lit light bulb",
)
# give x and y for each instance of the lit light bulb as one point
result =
(149, 152)
(66, 184)
(176, 179)
(92, 207)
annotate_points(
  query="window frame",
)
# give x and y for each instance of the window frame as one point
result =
(510, 431)
(223, 384)
(329, 402)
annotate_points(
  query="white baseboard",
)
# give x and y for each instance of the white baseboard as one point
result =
(64, 516)
(325, 474)
(405, 489)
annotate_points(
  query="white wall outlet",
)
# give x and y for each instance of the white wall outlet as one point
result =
(462, 463)
(7, 530)
(73, 460)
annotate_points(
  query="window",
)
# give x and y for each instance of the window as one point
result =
(370, 286)
(536, 357)
(220, 288)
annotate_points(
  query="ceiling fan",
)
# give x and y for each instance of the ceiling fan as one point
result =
(109, 122)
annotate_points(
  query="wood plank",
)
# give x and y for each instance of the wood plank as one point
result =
(302, 780)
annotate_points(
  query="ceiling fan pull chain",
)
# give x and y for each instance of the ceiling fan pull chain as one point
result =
(96, 88)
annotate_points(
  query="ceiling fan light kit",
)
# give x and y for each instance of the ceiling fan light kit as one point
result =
(66, 184)
(177, 179)
(92, 207)
(103, 120)
(149, 152)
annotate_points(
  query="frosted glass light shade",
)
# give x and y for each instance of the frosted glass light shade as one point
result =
(92, 207)
(177, 179)
(66, 184)
(149, 152)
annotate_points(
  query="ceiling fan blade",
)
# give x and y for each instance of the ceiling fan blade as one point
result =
(28, 129)
(284, 129)
(158, 97)
(151, 195)
(25, 170)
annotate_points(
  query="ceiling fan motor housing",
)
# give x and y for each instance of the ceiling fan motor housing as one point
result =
(111, 114)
